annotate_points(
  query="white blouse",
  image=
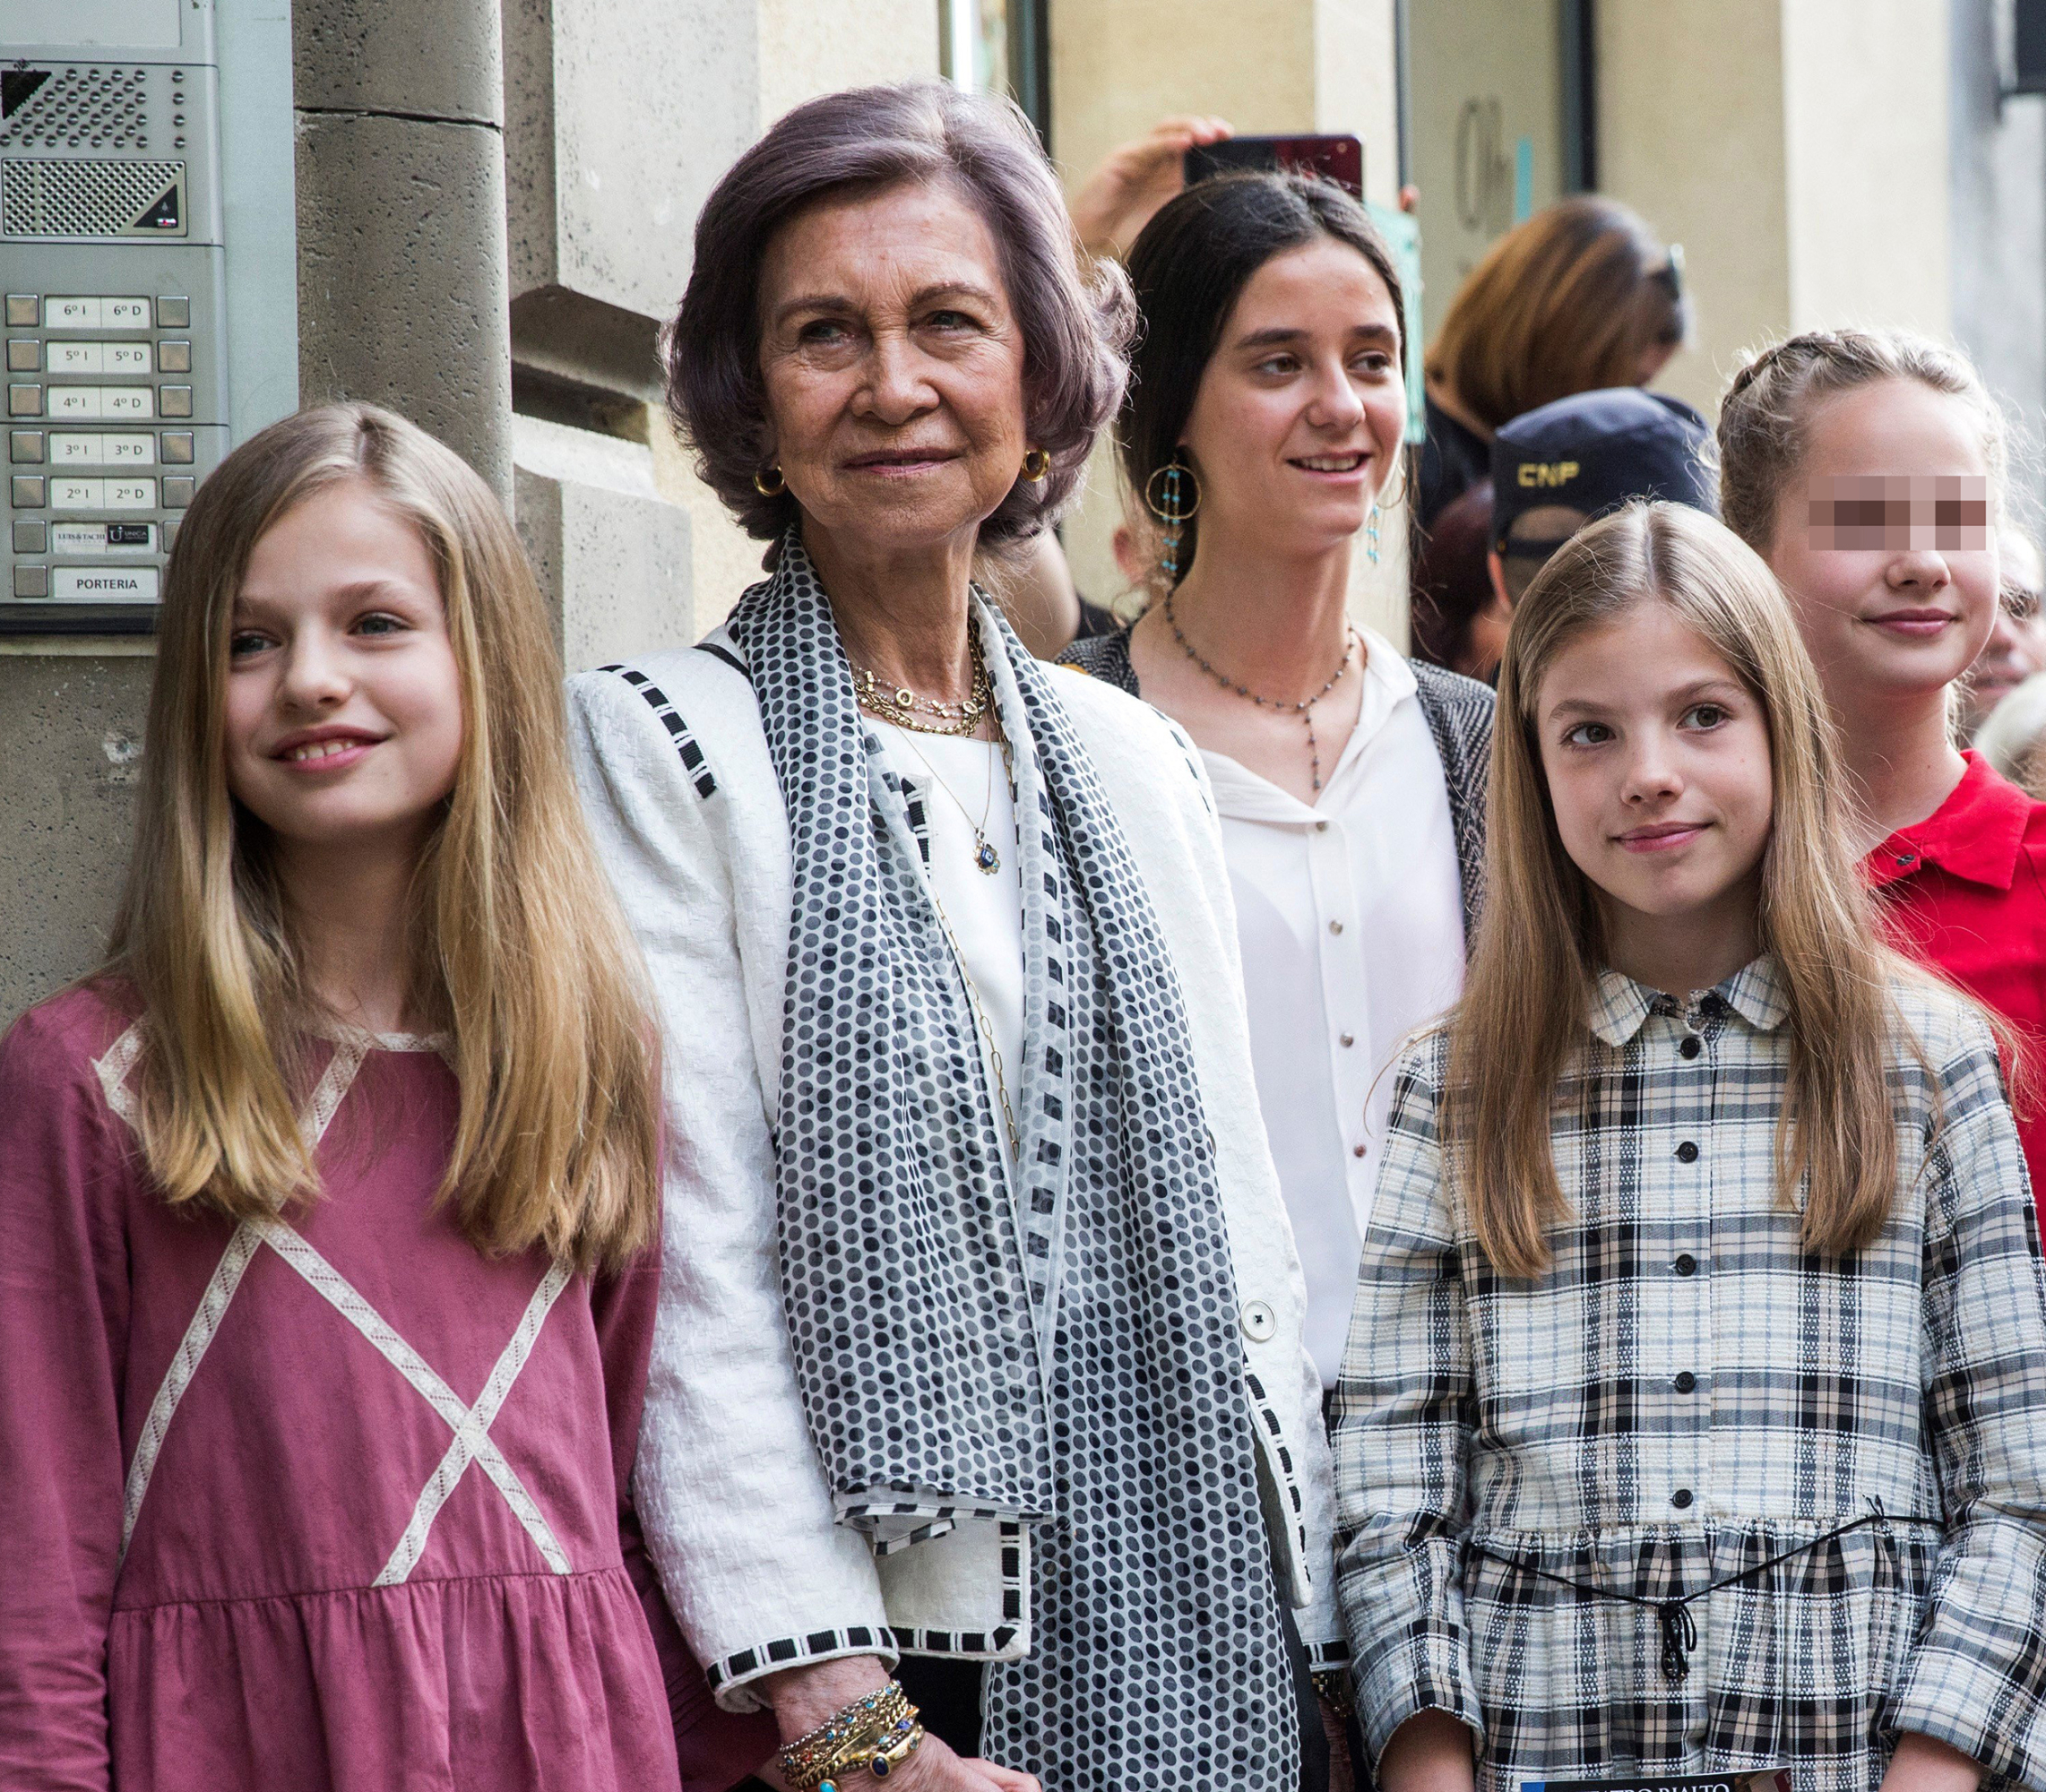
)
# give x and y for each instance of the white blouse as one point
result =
(961, 781)
(1351, 920)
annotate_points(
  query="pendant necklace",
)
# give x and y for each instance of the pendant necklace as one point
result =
(985, 859)
(1304, 709)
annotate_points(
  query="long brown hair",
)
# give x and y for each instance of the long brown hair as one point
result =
(1568, 302)
(519, 951)
(1542, 944)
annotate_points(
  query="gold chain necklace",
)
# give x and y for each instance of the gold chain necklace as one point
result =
(1304, 709)
(899, 705)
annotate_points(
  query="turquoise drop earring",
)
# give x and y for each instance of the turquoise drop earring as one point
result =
(1371, 534)
(1166, 496)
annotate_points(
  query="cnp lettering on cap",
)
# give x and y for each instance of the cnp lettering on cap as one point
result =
(1548, 472)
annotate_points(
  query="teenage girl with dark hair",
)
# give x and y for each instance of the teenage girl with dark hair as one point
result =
(1264, 423)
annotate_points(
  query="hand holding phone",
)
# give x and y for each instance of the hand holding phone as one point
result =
(1337, 158)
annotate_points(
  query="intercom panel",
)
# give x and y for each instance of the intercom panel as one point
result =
(112, 267)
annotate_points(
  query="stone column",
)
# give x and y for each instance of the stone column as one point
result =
(403, 297)
(620, 117)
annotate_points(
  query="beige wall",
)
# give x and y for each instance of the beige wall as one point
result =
(1867, 181)
(1270, 67)
(1791, 146)
(1690, 130)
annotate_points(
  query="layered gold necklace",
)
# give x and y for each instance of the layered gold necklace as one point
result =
(908, 709)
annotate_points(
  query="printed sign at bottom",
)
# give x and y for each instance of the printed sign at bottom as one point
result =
(1758, 1779)
(104, 584)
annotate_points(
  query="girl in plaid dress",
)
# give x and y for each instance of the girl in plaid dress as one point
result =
(1694, 1415)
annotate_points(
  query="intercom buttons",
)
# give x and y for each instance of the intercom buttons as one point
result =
(23, 308)
(178, 447)
(25, 400)
(173, 358)
(174, 400)
(176, 493)
(30, 537)
(25, 445)
(173, 313)
(28, 491)
(24, 355)
(32, 581)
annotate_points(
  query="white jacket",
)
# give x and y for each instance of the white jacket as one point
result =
(689, 820)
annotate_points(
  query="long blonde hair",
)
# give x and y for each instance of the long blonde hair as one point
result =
(1542, 942)
(519, 951)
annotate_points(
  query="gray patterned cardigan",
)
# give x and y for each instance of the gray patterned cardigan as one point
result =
(1459, 712)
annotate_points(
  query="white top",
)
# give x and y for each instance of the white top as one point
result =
(960, 781)
(737, 1513)
(1349, 915)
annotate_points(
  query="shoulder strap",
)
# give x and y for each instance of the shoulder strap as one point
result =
(692, 759)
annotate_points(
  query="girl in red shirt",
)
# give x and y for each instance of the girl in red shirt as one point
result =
(1867, 469)
(326, 1211)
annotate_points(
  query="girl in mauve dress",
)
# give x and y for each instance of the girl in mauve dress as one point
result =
(325, 1207)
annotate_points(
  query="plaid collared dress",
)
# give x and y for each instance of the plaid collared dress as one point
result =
(1688, 1394)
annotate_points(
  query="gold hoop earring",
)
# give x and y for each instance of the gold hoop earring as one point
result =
(1169, 506)
(771, 491)
(1036, 464)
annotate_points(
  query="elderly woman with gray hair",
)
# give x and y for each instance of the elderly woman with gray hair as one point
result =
(979, 1344)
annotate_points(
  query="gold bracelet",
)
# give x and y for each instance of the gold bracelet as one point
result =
(879, 1755)
(806, 1761)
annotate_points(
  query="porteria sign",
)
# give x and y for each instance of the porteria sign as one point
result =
(106, 584)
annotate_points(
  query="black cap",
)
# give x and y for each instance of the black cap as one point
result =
(1594, 451)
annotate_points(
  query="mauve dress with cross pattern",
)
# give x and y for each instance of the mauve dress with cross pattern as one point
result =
(335, 1503)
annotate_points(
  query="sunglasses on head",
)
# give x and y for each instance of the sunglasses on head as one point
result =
(1670, 276)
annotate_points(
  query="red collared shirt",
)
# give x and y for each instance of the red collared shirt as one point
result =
(1965, 890)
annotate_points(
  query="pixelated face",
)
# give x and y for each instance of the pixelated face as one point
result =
(1886, 548)
(1863, 512)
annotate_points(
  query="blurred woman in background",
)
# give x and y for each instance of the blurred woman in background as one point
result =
(1582, 295)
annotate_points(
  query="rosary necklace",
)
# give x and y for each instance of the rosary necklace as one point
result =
(1305, 708)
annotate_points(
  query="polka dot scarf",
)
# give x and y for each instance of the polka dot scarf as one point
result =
(1060, 1352)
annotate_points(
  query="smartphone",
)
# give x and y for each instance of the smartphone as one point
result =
(1340, 160)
